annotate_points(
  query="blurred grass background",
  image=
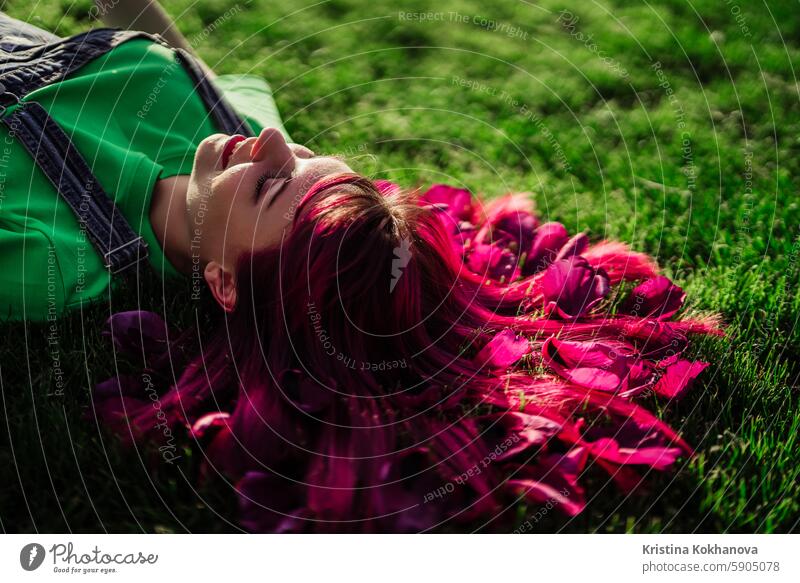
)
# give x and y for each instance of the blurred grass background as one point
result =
(672, 125)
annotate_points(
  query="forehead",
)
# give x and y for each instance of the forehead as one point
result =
(311, 170)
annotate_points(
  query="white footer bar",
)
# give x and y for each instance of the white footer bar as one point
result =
(396, 558)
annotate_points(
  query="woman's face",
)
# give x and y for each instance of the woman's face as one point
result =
(243, 192)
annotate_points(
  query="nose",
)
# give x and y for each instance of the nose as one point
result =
(269, 147)
(269, 143)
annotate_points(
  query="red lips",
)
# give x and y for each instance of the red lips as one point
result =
(228, 149)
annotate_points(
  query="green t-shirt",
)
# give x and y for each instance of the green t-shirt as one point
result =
(135, 118)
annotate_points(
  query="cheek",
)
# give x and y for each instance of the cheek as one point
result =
(229, 198)
(219, 216)
(261, 232)
(278, 220)
(285, 207)
(244, 228)
(265, 227)
(225, 187)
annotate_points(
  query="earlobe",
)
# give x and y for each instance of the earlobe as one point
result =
(222, 285)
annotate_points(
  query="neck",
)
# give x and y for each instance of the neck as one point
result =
(169, 220)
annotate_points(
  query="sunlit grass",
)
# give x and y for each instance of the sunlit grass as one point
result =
(705, 180)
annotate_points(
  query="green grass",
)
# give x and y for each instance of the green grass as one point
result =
(598, 142)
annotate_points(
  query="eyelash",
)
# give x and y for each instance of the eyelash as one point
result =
(262, 180)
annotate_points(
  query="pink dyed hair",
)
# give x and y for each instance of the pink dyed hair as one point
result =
(351, 389)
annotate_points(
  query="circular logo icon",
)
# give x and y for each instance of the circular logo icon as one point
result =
(31, 556)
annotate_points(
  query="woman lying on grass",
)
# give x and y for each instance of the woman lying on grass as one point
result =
(382, 359)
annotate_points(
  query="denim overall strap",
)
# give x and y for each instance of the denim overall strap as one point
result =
(27, 67)
(112, 236)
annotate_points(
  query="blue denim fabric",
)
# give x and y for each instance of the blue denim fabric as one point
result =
(14, 33)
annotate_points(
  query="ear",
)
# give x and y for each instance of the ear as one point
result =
(222, 284)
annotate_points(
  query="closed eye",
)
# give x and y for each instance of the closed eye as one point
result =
(262, 180)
